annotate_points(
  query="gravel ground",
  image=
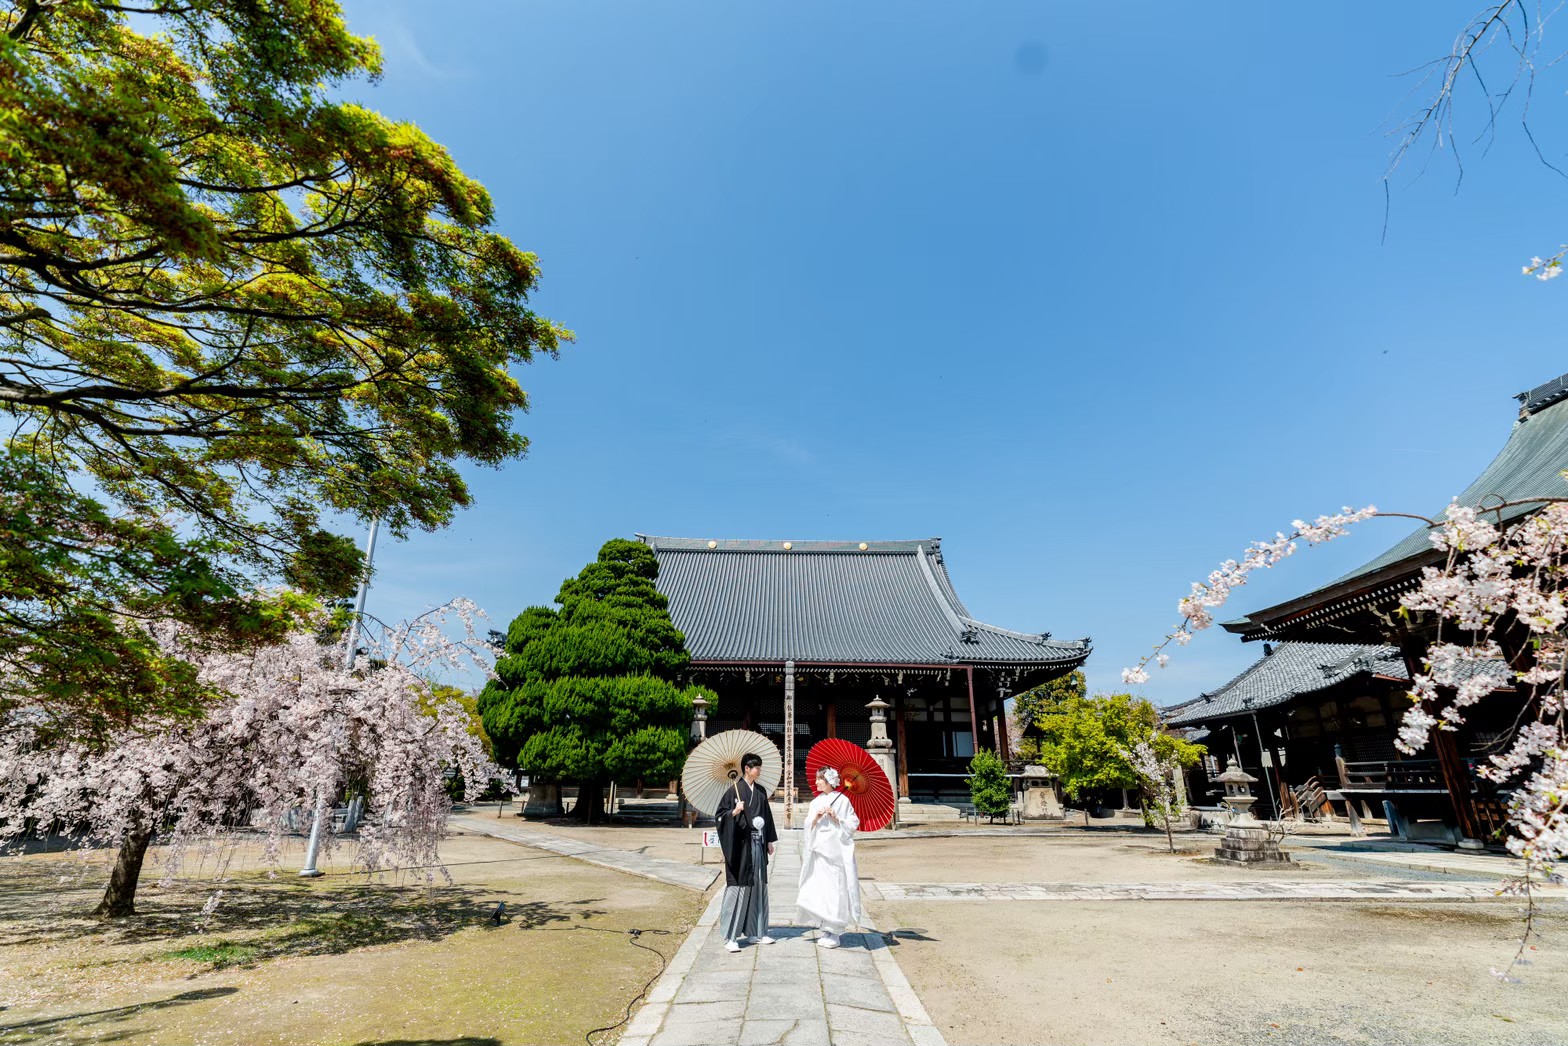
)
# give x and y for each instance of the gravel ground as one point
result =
(1209, 972)
(1078, 858)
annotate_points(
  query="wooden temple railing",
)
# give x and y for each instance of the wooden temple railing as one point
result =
(1391, 775)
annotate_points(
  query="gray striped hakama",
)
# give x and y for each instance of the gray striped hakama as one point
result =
(744, 910)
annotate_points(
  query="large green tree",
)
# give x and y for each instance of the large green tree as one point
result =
(1086, 742)
(1034, 704)
(232, 301)
(587, 691)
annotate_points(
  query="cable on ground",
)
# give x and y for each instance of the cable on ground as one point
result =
(632, 936)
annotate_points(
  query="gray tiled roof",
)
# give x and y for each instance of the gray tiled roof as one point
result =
(832, 601)
(1292, 669)
(1530, 465)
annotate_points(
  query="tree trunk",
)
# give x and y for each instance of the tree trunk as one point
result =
(590, 802)
(119, 900)
(1168, 840)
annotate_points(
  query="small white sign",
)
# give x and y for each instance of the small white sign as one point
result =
(710, 838)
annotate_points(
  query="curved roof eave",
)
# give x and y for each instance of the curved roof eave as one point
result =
(835, 602)
(1529, 465)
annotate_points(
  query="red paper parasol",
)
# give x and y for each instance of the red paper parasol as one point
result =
(860, 778)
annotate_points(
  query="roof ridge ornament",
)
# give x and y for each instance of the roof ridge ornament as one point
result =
(1533, 401)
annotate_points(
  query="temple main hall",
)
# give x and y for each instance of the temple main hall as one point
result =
(798, 637)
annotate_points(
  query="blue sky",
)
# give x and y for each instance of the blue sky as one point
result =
(1097, 293)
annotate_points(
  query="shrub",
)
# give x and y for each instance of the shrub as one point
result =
(989, 789)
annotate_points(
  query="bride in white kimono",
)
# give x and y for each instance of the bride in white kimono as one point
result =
(829, 895)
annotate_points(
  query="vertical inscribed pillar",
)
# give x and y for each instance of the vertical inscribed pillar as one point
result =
(789, 744)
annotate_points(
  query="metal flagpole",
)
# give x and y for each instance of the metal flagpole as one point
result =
(310, 871)
(352, 642)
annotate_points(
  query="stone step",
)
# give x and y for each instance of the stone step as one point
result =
(661, 808)
(928, 813)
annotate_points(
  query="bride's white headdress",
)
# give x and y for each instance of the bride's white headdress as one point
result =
(830, 775)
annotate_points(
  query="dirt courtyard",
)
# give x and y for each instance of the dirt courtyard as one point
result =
(1211, 972)
(334, 960)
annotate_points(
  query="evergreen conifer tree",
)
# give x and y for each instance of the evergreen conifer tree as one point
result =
(587, 692)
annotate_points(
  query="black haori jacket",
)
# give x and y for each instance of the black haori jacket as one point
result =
(735, 832)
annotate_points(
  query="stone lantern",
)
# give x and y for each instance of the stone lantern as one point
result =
(699, 733)
(699, 718)
(1248, 841)
(1238, 793)
(880, 747)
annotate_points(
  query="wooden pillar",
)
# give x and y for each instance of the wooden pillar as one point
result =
(1456, 775)
(974, 720)
(1004, 744)
(1456, 778)
(902, 751)
(832, 716)
(1355, 818)
(789, 744)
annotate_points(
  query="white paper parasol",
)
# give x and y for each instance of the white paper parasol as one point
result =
(714, 765)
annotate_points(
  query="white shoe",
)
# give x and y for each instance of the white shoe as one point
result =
(827, 940)
(732, 946)
(764, 939)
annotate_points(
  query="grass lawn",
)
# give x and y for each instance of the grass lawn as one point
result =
(333, 960)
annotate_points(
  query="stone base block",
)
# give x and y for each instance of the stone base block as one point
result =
(544, 800)
(1249, 844)
(1248, 857)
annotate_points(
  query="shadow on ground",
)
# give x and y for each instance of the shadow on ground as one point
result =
(259, 919)
(50, 1027)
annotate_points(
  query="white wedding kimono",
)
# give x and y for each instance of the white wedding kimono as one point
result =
(829, 895)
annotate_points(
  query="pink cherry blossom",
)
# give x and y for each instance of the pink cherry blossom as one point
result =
(292, 729)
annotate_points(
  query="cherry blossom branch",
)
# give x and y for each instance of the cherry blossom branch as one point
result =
(1197, 608)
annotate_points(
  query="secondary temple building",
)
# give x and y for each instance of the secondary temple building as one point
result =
(1315, 723)
(1321, 710)
(797, 638)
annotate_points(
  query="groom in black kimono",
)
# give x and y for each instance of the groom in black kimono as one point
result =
(747, 837)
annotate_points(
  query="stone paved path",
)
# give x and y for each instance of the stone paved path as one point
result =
(791, 992)
(1261, 890)
(1466, 864)
(691, 876)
